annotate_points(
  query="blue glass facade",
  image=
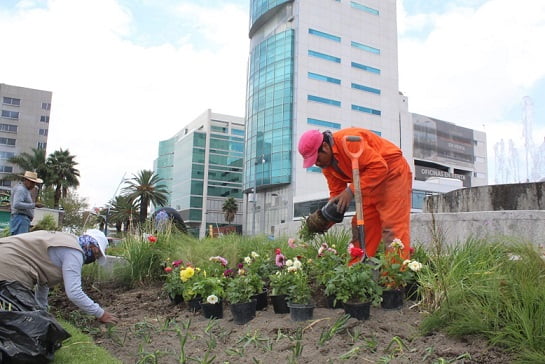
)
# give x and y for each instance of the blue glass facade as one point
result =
(269, 110)
(260, 7)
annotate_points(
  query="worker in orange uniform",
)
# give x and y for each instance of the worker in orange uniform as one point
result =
(385, 181)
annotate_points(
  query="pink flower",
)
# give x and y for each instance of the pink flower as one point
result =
(177, 263)
(168, 269)
(228, 273)
(220, 260)
(240, 265)
(279, 260)
(291, 243)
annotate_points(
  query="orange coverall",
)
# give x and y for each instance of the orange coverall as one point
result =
(385, 181)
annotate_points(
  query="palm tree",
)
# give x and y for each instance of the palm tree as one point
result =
(61, 173)
(230, 209)
(34, 161)
(122, 212)
(144, 189)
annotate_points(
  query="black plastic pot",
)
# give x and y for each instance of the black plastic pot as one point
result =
(359, 310)
(212, 310)
(279, 303)
(330, 213)
(301, 312)
(194, 304)
(243, 312)
(392, 299)
(330, 301)
(261, 299)
(176, 299)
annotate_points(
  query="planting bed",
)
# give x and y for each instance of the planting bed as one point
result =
(152, 330)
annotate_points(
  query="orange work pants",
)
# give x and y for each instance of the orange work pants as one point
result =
(387, 212)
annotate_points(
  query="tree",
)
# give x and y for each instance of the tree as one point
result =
(34, 161)
(122, 212)
(61, 173)
(145, 188)
(230, 209)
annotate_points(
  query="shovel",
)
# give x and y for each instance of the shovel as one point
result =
(357, 190)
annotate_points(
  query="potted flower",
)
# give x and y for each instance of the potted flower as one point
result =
(239, 292)
(299, 292)
(356, 288)
(260, 269)
(174, 286)
(211, 291)
(394, 275)
(189, 275)
(322, 269)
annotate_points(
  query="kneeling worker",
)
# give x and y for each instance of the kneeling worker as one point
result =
(47, 258)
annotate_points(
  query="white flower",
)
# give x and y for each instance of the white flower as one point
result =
(415, 266)
(212, 299)
(254, 255)
(247, 260)
(297, 263)
(289, 263)
(396, 243)
(406, 261)
(292, 269)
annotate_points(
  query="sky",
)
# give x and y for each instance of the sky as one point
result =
(127, 74)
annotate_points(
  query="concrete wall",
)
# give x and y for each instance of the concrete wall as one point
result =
(453, 228)
(516, 196)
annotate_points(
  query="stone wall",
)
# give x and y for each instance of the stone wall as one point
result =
(516, 196)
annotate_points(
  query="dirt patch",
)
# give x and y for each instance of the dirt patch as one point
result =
(153, 330)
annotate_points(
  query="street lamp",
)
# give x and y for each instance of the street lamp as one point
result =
(254, 191)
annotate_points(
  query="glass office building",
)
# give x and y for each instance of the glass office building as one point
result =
(202, 167)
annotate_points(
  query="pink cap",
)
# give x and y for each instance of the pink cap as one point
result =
(309, 144)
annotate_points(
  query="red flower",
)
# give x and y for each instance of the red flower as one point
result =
(278, 251)
(168, 269)
(176, 263)
(356, 252)
(152, 239)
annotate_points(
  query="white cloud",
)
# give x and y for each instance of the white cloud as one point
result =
(113, 101)
(474, 65)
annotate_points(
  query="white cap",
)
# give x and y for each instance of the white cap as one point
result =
(102, 243)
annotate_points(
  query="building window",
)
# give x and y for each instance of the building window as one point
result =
(366, 110)
(327, 57)
(366, 68)
(324, 100)
(366, 88)
(8, 128)
(42, 145)
(10, 114)
(364, 47)
(11, 101)
(43, 132)
(316, 76)
(367, 9)
(44, 119)
(7, 141)
(6, 155)
(324, 35)
(6, 183)
(46, 106)
(327, 124)
(6, 169)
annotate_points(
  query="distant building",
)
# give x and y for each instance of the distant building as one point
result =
(24, 124)
(446, 157)
(202, 167)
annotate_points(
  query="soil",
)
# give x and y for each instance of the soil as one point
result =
(154, 330)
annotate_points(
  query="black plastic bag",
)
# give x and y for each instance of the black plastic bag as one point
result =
(28, 334)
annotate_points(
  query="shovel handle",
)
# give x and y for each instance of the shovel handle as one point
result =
(354, 156)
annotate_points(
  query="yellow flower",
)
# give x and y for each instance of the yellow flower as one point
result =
(186, 273)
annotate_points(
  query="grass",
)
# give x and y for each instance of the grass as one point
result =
(494, 288)
(81, 349)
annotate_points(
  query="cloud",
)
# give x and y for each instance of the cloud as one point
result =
(473, 66)
(114, 100)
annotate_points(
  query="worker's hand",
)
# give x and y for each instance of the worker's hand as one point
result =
(343, 200)
(108, 318)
